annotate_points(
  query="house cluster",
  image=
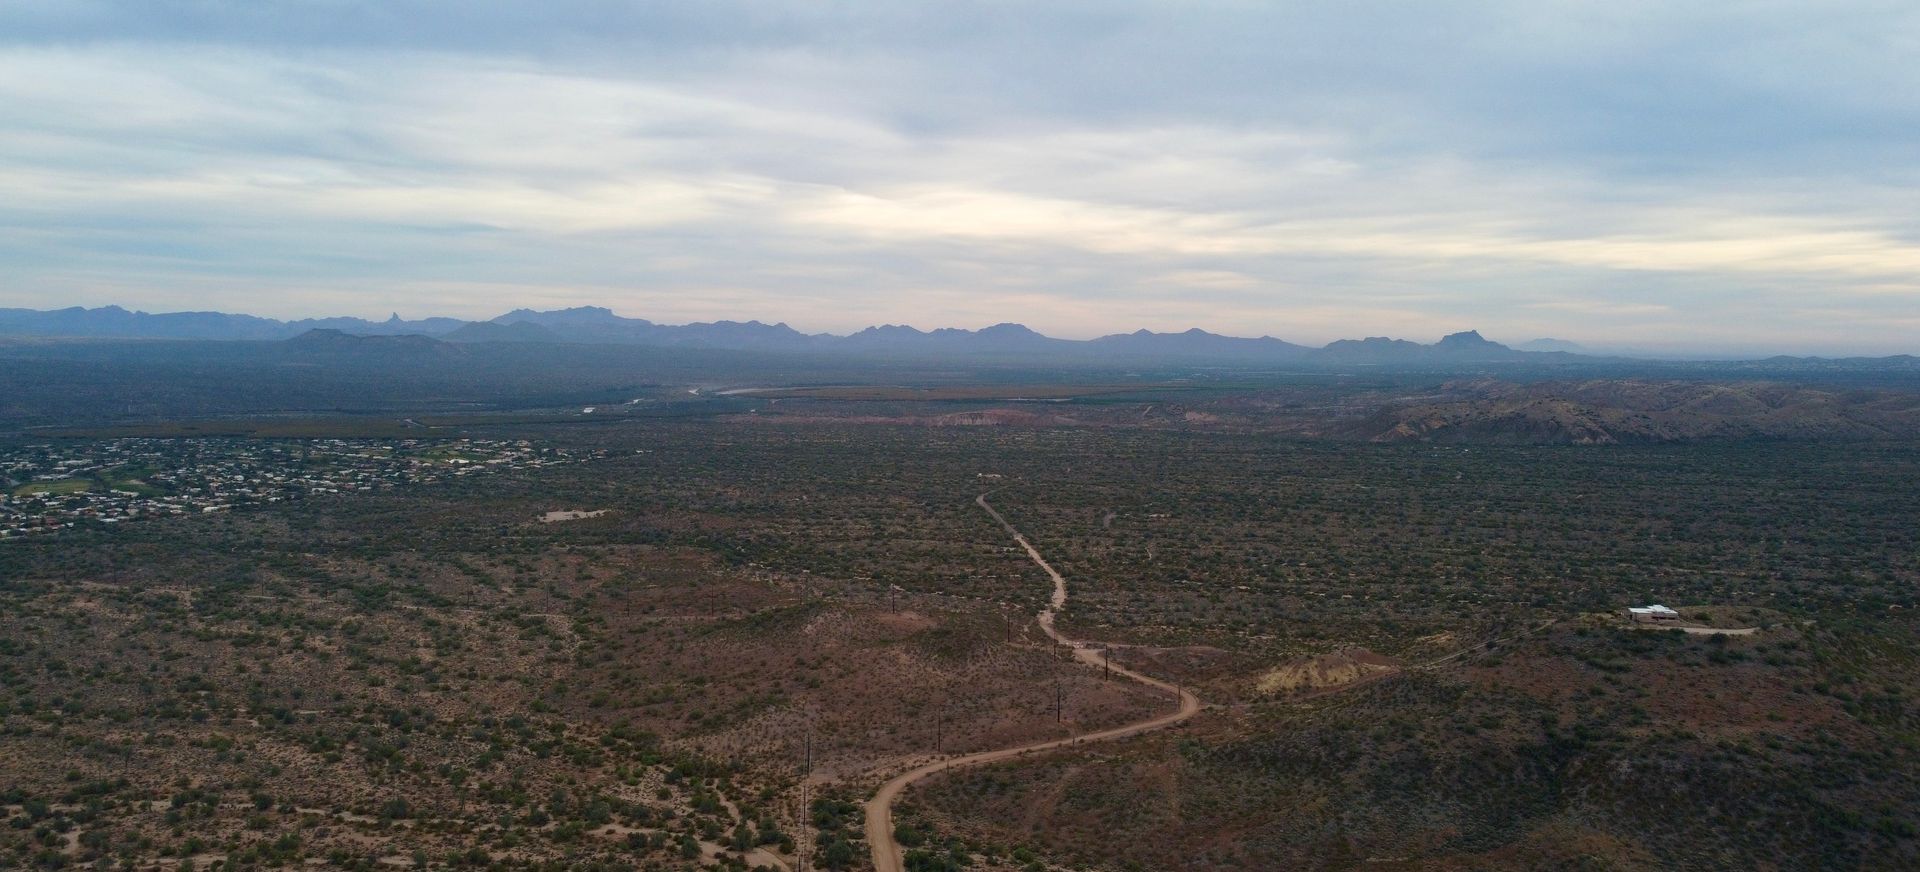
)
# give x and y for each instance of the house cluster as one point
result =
(55, 486)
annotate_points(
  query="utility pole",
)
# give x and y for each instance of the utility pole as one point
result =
(1056, 700)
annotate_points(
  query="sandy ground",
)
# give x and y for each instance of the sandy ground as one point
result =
(1329, 670)
(571, 515)
(879, 810)
(1701, 631)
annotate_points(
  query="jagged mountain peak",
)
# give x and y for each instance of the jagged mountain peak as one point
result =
(1467, 339)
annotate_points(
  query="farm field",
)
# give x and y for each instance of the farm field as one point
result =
(52, 488)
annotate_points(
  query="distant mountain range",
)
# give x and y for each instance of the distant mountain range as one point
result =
(118, 323)
(594, 325)
(600, 326)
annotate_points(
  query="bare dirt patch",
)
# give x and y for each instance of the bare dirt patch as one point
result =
(571, 515)
(905, 622)
(1328, 670)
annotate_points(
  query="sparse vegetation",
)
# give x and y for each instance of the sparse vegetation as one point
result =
(430, 674)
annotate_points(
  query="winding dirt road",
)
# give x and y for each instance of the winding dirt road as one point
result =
(879, 809)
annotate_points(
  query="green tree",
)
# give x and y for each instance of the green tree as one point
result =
(838, 855)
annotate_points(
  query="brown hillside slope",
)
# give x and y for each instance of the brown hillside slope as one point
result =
(1622, 411)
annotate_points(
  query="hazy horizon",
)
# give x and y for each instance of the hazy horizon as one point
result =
(1676, 352)
(1723, 180)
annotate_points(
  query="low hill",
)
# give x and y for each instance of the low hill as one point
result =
(331, 341)
(494, 331)
(1610, 411)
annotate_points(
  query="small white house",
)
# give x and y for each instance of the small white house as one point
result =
(1652, 614)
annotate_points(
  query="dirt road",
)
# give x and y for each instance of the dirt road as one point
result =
(1699, 631)
(879, 809)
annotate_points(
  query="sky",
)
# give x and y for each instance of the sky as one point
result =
(1707, 176)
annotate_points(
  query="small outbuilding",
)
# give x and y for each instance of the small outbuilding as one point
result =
(1653, 614)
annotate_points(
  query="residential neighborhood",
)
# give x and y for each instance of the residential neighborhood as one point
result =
(57, 485)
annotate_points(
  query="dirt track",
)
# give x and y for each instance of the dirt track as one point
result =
(879, 809)
(1700, 631)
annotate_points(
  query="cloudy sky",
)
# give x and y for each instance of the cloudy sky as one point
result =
(1718, 175)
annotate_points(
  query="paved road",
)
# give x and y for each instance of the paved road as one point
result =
(879, 809)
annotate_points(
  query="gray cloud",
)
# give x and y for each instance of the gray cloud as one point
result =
(1733, 174)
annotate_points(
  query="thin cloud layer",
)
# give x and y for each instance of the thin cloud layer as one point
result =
(1737, 176)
